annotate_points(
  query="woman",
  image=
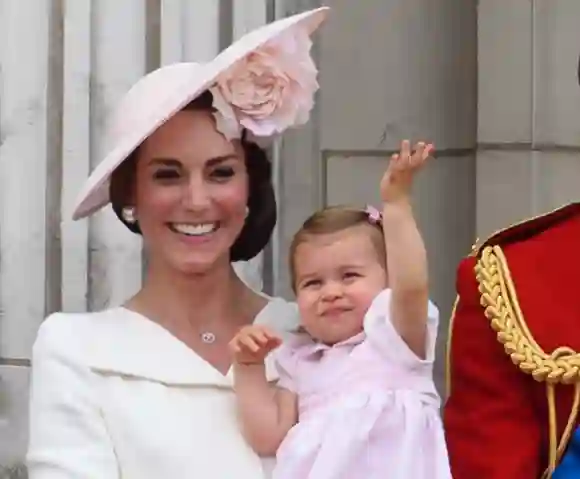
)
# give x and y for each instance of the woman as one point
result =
(144, 390)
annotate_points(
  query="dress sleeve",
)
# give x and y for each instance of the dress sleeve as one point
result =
(382, 334)
(286, 362)
(67, 436)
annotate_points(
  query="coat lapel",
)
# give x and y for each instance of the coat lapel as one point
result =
(128, 344)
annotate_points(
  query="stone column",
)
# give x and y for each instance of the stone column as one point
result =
(528, 158)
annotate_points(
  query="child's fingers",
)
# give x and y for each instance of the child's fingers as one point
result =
(274, 342)
(407, 158)
(269, 340)
(417, 157)
(428, 151)
(268, 333)
(248, 342)
(260, 336)
(266, 337)
(405, 149)
(395, 162)
(422, 152)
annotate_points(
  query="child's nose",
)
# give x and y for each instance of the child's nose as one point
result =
(332, 290)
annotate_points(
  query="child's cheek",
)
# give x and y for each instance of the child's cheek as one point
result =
(306, 304)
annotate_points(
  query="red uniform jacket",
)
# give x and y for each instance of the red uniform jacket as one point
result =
(518, 302)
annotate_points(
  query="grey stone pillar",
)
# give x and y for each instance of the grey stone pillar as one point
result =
(528, 159)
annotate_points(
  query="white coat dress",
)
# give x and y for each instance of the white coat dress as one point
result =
(116, 396)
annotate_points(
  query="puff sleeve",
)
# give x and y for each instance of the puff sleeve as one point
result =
(382, 333)
(68, 436)
(287, 361)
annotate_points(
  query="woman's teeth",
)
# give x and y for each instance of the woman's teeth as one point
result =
(194, 230)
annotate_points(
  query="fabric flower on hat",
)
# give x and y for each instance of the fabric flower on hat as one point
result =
(226, 121)
(269, 90)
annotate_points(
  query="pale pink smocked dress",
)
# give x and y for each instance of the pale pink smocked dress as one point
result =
(368, 408)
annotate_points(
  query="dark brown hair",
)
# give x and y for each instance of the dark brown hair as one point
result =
(261, 218)
(332, 220)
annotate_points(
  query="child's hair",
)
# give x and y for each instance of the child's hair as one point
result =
(332, 220)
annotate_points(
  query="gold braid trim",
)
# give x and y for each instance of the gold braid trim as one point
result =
(562, 366)
(448, 348)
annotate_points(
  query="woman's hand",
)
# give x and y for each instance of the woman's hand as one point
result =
(252, 344)
(398, 179)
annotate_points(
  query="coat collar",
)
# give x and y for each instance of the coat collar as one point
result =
(128, 344)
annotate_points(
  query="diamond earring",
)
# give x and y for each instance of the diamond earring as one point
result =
(128, 214)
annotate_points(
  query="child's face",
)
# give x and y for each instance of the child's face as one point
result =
(337, 277)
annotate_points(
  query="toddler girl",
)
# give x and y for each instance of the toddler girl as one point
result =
(355, 397)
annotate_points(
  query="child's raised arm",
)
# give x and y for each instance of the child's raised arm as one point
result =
(406, 255)
(266, 412)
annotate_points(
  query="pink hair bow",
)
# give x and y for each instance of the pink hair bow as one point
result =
(375, 216)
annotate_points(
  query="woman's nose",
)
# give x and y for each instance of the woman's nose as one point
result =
(196, 195)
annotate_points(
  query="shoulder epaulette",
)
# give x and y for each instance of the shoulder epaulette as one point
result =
(527, 228)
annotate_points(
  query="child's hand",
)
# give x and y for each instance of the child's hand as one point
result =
(398, 179)
(252, 344)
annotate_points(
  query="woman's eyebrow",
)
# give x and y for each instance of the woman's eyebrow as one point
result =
(216, 160)
(164, 161)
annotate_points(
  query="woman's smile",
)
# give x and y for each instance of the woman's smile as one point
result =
(194, 229)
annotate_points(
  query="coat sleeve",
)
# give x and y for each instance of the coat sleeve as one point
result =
(492, 428)
(67, 436)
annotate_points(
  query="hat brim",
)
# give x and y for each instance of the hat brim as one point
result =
(194, 79)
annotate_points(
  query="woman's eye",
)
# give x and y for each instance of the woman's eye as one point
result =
(166, 174)
(224, 172)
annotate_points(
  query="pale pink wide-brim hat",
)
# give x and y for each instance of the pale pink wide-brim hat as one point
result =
(158, 96)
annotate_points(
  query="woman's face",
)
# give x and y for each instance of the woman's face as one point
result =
(191, 193)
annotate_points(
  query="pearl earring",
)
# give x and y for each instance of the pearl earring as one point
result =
(128, 214)
(247, 211)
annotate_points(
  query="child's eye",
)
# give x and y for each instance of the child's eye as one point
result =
(350, 275)
(311, 283)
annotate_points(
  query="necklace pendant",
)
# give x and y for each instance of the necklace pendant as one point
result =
(207, 337)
